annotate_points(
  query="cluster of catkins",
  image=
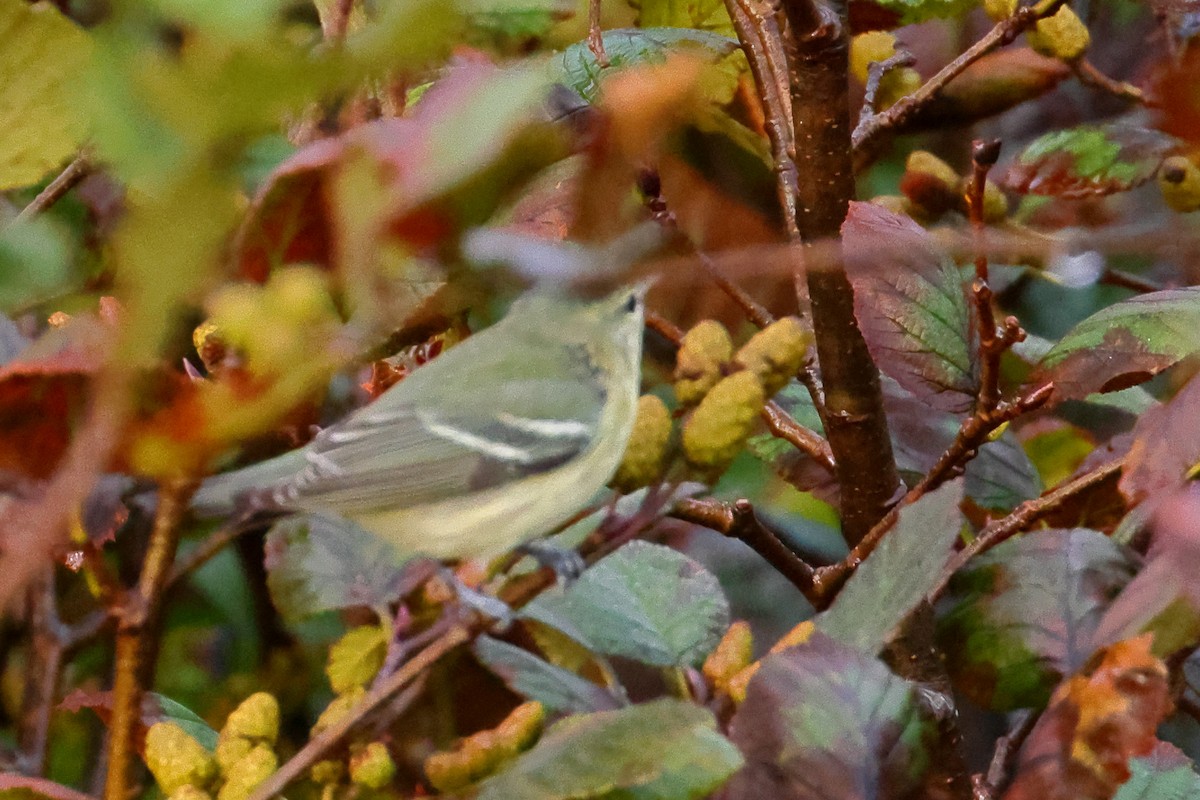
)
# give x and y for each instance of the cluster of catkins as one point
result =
(244, 757)
(720, 396)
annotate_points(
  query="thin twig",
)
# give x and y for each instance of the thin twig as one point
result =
(66, 180)
(595, 37)
(213, 544)
(754, 311)
(783, 426)
(1021, 518)
(867, 136)
(1088, 74)
(330, 737)
(757, 27)
(875, 72)
(738, 521)
(992, 342)
(1004, 757)
(1126, 280)
(43, 673)
(42, 786)
(140, 607)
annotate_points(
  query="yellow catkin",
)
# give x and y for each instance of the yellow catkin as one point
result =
(645, 456)
(776, 353)
(702, 353)
(176, 759)
(1062, 36)
(720, 425)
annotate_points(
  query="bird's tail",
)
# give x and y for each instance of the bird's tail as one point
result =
(219, 495)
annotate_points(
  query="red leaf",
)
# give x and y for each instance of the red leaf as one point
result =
(910, 303)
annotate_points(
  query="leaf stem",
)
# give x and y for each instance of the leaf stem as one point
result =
(42, 786)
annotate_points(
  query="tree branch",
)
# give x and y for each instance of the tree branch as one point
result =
(817, 49)
(869, 137)
(66, 180)
(139, 608)
(1021, 518)
(738, 521)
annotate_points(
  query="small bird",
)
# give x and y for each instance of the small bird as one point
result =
(494, 442)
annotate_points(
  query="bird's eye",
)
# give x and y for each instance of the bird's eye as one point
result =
(631, 304)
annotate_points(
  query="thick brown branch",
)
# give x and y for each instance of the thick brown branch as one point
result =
(855, 423)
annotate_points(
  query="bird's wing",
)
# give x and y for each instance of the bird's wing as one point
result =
(402, 454)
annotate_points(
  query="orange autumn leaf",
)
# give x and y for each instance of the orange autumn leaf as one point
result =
(1096, 721)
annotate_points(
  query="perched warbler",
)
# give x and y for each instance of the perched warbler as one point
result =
(494, 442)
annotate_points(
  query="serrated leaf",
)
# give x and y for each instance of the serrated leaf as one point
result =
(645, 602)
(897, 576)
(665, 750)
(1020, 617)
(910, 303)
(1124, 344)
(43, 54)
(317, 563)
(1088, 160)
(556, 688)
(1165, 774)
(822, 721)
(625, 47)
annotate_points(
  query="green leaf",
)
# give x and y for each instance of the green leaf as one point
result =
(167, 710)
(898, 575)
(1020, 617)
(1001, 476)
(43, 54)
(1088, 160)
(1124, 344)
(665, 750)
(1165, 774)
(34, 262)
(626, 47)
(910, 302)
(645, 602)
(556, 688)
(914, 11)
(823, 721)
(317, 563)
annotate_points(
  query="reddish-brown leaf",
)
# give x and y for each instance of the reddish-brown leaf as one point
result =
(1166, 446)
(1176, 88)
(42, 393)
(910, 303)
(1096, 721)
